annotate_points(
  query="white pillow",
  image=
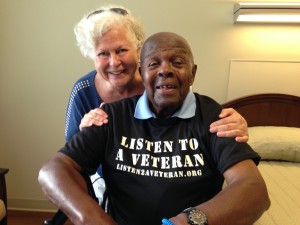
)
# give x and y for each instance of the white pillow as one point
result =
(276, 143)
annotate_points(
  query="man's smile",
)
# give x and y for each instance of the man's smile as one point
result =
(166, 87)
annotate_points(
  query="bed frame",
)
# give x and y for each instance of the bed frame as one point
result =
(279, 175)
(268, 109)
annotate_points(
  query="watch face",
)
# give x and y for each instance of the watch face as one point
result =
(197, 217)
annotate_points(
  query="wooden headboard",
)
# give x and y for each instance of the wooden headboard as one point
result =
(268, 109)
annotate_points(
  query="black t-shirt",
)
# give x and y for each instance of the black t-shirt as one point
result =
(155, 168)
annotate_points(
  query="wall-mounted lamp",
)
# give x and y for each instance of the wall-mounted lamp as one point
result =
(247, 12)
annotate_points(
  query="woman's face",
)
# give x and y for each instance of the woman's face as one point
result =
(116, 59)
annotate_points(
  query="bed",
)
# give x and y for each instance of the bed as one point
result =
(274, 131)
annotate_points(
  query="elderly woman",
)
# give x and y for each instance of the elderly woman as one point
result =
(112, 37)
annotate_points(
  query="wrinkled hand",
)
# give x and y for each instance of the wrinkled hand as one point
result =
(94, 117)
(231, 124)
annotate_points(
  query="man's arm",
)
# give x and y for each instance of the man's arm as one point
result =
(241, 202)
(62, 183)
(231, 124)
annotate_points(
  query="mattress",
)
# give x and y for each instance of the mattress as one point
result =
(283, 183)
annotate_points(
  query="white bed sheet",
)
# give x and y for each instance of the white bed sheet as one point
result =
(283, 183)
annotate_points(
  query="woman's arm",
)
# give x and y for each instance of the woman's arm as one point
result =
(231, 124)
(94, 117)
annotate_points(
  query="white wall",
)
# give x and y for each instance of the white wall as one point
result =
(40, 63)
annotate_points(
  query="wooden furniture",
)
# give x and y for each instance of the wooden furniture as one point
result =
(268, 109)
(3, 194)
(274, 132)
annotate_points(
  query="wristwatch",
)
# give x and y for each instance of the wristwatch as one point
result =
(195, 216)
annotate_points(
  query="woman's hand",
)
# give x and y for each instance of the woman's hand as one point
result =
(94, 117)
(231, 124)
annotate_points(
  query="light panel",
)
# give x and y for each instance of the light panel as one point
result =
(267, 12)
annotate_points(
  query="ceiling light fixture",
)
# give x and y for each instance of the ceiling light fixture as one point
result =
(247, 12)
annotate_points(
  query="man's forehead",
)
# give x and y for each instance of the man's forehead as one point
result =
(163, 42)
(156, 50)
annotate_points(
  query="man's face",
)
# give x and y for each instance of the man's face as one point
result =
(168, 72)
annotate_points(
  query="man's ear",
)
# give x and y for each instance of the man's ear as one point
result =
(194, 71)
(140, 71)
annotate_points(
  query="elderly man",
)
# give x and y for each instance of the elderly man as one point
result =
(159, 159)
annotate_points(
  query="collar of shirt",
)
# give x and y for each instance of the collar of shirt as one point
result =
(187, 110)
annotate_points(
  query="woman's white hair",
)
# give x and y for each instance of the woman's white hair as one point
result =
(95, 24)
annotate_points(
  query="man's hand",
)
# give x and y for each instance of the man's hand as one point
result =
(94, 117)
(231, 124)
